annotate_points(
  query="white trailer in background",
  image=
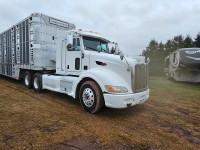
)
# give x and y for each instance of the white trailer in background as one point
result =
(48, 53)
(183, 65)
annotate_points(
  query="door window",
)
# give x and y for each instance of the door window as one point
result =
(77, 63)
(76, 45)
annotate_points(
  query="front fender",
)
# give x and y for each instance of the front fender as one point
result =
(104, 77)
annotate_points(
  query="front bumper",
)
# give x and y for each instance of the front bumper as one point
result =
(125, 100)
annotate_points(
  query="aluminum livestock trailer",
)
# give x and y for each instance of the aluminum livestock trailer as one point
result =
(30, 45)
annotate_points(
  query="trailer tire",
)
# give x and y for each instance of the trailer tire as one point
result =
(28, 77)
(37, 82)
(91, 97)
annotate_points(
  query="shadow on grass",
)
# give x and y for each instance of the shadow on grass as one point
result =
(111, 112)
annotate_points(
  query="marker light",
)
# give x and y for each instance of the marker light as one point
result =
(116, 89)
(110, 88)
(80, 29)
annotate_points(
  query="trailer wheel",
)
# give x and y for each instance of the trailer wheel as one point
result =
(91, 97)
(37, 82)
(28, 79)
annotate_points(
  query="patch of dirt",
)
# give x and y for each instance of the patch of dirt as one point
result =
(182, 132)
(183, 111)
(55, 126)
(7, 138)
(86, 143)
(155, 103)
(177, 129)
(11, 140)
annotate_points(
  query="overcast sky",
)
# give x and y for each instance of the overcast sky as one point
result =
(131, 23)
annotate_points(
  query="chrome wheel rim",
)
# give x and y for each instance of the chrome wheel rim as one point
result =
(88, 97)
(36, 83)
(27, 80)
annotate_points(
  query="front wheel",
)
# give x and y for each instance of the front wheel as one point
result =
(91, 97)
(37, 82)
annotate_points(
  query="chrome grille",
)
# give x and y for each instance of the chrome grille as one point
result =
(140, 78)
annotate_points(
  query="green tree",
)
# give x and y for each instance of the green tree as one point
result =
(153, 46)
(155, 52)
(169, 46)
(178, 42)
(151, 49)
(188, 42)
(197, 41)
(161, 47)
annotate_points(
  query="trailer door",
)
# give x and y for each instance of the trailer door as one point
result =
(73, 58)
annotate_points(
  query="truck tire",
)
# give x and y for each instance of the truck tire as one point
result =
(91, 97)
(28, 79)
(37, 82)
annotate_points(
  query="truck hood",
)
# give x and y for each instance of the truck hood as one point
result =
(112, 59)
(113, 69)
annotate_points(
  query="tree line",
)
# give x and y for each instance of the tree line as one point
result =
(157, 51)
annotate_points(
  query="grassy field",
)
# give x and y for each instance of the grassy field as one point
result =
(169, 119)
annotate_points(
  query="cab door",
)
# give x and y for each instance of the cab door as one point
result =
(73, 58)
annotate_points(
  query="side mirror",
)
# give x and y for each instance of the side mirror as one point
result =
(116, 48)
(121, 55)
(69, 46)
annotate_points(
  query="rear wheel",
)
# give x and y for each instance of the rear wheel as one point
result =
(91, 97)
(37, 82)
(28, 79)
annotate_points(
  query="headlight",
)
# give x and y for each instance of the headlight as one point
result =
(116, 89)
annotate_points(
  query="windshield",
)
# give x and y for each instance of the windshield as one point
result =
(95, 44)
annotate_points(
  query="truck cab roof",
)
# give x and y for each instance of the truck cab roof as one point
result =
(90, 34)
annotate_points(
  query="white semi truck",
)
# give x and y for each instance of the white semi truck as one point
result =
(48, 53)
